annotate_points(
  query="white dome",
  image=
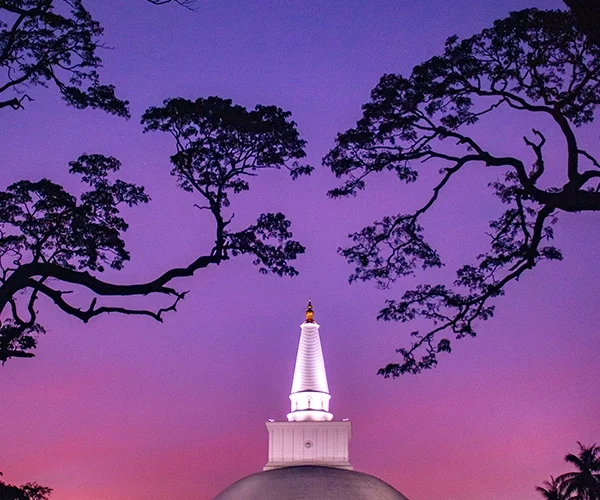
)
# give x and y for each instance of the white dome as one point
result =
(309, 483)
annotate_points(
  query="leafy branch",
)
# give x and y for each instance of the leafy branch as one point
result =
(51, 240)
(534, 62)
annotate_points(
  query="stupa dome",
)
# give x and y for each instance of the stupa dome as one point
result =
(308, 482)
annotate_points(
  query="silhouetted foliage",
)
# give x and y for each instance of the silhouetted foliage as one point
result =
(219, 147)
(29, 491)
(533, 62)
(51, 240)
(55, 43)
(552, 490)
(587, 14)
(47, 233)
(583, 484)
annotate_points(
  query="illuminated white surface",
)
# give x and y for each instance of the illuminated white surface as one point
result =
(310, 437)
(310, 392)
(308, 443)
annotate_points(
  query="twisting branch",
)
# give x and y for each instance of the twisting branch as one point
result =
(456, 312)
(534, 62)
(93, 310)
(53, 42)
(585, 154)
(53, 243)
(15, 102)
(538, 166)
(188, 4)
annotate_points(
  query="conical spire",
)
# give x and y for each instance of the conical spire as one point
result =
(310, 392)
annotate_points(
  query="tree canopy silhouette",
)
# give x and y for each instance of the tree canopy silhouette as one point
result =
(28, 491)
(52, 241)
(583, 484)
(552, 490)
(587, 14)
(55, 43)
(535, 63)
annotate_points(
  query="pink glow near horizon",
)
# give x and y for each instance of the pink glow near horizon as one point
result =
(128, 409)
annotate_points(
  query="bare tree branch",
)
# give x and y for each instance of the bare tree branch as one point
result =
(188, 4)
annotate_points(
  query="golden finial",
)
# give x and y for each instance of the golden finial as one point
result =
(310, 313)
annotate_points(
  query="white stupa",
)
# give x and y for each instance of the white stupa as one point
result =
(308, 453)
(310, 436)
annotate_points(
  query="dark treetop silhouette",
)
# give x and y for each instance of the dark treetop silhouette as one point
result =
(55, 42)
(551, 490)
(28, 491)
(587, 14)
(583, 484)
(51, 240)
(533, 62)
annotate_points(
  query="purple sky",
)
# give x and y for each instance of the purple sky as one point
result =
(129, 409)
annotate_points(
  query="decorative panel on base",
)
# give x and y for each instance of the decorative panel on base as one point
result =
(309, 443)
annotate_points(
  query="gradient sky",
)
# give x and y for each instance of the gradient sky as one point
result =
(130, 409)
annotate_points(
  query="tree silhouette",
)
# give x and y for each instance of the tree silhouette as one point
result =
(48, 42)
(535, 63)
(552, 490)
(587, 13)
(29, 491)
(584, 484)
(51, 241)
(57, 43)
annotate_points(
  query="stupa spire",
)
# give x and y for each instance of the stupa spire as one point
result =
(310, 392)
(311, 437)
(310, 315)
